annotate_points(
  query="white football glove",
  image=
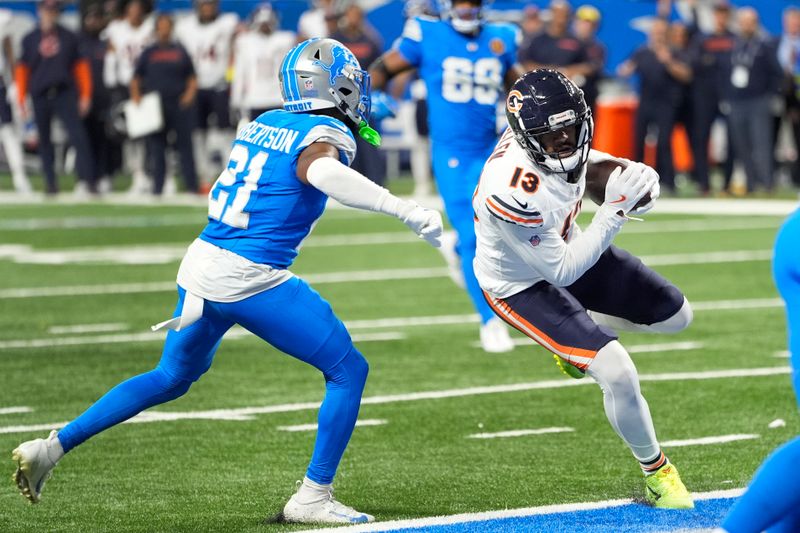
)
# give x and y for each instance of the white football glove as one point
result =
(655, 192)
(427, 223)
(626, 187)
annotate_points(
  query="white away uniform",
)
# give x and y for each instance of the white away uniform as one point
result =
(258, 59)
(209, 45)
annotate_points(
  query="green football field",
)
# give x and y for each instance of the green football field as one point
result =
(81, 284)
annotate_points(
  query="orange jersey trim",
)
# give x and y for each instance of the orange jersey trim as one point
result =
(494, 207)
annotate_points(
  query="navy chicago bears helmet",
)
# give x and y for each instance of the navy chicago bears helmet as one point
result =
(541, 103)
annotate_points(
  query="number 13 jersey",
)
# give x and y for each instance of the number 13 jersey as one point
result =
(524, 218)
(463, 75)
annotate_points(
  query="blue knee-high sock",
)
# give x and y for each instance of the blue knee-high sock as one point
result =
(124, 401)
(773, 495)
(337, 415)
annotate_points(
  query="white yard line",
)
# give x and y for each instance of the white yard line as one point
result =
(15, 410)
(87, 328)
(520, 433)
(705, 441)
(148, 336)
(313, 427)
(392, 525)
(782, 354)
(243, 413)
(734, 305)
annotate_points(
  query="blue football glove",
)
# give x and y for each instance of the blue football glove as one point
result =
(383, 106)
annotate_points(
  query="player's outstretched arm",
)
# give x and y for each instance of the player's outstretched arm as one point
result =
(319, 166)
(387, 66)
(562, 263)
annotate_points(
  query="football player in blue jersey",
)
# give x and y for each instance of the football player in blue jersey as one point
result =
(466, 64)
(772, 502)
(283, 167)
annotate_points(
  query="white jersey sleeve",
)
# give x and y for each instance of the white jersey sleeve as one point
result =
(335, 133)
(525, 226)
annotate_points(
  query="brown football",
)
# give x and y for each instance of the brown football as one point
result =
(597, 176)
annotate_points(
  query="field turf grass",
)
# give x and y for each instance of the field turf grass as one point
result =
(228, 475)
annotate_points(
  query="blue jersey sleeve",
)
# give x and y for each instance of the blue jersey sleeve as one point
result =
(410, 43)
(331, 131)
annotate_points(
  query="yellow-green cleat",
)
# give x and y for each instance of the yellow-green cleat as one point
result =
(568, 369)
(664, 489)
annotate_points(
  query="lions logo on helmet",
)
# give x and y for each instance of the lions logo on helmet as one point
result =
(551, 121)
(336, 81)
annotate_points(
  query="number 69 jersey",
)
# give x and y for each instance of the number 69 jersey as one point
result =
(464, 77)
(524, 218)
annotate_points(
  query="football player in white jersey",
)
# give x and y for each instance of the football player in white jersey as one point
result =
(567, 289)
(255, 88)
(208, 36)
(127, 37)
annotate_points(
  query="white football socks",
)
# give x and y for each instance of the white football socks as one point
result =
(312, 492)
(677, 322)
(626, 408)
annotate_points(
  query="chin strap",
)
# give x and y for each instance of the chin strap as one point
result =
(369, 134)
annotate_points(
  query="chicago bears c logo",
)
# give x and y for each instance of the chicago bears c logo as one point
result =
(514, 101)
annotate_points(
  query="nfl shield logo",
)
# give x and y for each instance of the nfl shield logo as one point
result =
(309, 84)
(535, 240)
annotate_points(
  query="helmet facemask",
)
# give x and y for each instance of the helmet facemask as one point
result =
(564, 146)
(464, 19)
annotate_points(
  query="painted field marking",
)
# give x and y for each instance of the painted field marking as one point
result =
(782, 354)
(484, 516)
(15, 410)
(153, 254)
(520, 433)
(87, 328)
(704, 441)
(148, 336)
(313, 427)
(242, 413)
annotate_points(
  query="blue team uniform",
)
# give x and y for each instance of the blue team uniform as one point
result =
(772, 502)
(464, 77)
(261, 211)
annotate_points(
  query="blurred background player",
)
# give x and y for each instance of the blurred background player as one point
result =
(12, 144)
(569, 289)
(314, 22)
(663, 72)
(236, 272)
(755, 83)
(772, 501)
(586, 25)
(465, 64)
(94, 48)
(257, 56)
(208, 36)
(127, 37)
(58, 77)
(166, 68)
(360, 38)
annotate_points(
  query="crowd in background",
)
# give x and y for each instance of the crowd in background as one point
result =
(212, 70)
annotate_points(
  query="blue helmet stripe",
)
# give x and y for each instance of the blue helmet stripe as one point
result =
(302, 47)
(291, 85)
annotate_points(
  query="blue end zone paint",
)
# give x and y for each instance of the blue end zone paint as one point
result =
(630, 518)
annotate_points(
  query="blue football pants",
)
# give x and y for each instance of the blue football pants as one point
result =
(457, 173)
(772, 502)
(293, 318)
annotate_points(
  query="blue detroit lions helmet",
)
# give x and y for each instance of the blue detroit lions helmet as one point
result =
(542, 104)
(324, 74)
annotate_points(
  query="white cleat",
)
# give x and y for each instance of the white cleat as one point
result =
(325, 511)
(35, 462)
(495, 337)
(451, 257)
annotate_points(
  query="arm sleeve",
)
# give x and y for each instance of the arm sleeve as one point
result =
(22, 74)
(82, 73)
(353, 189)
(562, 263)
(410, 44)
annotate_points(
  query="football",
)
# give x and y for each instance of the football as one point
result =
(597, 176)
